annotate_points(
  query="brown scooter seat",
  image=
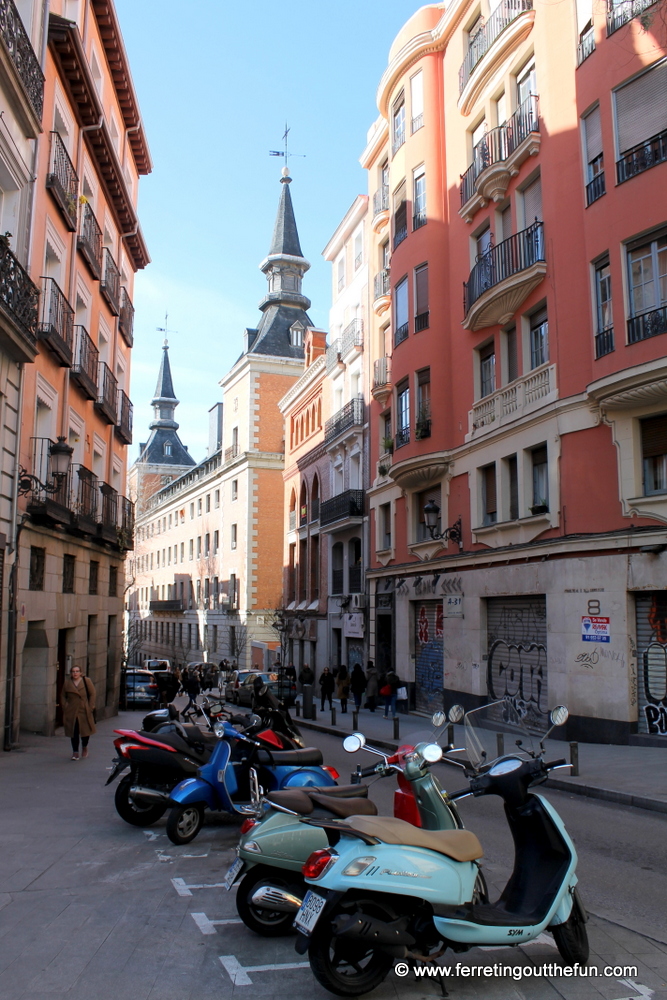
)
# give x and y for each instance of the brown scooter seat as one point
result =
(461, 845)
(304, 800)
(345, 807)
(308, 757)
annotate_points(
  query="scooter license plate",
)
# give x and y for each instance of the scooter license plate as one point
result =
(310, 912)
(231, 875)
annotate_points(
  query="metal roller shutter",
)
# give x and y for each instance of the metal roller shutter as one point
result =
(428, 656)
(651, 612)
(517, 654)
(641, 107)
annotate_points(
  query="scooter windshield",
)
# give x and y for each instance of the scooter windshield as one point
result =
(484, 726)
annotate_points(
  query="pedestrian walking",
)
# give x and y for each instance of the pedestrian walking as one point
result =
(357, 684)
(343, 687)
(77, 700)
(192, 688)
(327, 684)
(372, 685)
(388, 691)
(306, 675)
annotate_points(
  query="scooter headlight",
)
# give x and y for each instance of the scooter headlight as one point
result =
(359, 866)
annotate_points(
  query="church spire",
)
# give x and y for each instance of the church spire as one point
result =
(164, 402)
(285, 236)
(164, 447)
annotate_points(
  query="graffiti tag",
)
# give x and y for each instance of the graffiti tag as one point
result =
(588, 659)
(517, 672)
(655, 688)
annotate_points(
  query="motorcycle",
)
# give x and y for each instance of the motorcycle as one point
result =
(384, 890)
(223, 783)
(274, 843)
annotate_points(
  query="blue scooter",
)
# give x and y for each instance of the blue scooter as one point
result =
(230, 780)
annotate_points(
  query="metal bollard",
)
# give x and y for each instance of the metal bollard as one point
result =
(333, 716)
(450, 735)
(297, 708)
(313, 713)
(355, 719)
(397, 723)
(500, 744)
(574, 759)
(308, 701)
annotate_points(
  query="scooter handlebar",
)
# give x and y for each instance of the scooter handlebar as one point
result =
(549, 764)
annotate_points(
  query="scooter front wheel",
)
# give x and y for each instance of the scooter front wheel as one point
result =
(267, 923)
(572, 937)
(184, 823)
(345, 967)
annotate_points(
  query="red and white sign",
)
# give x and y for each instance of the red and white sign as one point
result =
(595, 629)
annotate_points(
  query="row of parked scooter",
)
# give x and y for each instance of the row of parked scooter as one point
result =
(362, 891)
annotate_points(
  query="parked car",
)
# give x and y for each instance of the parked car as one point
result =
(139, 688)
(236, 677)
(282, 687)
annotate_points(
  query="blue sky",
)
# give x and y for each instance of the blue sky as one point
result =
(215, 88)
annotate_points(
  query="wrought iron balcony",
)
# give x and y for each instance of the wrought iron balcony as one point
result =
(604, 342)
(347, 504)
(110, 282)
(354, 575)
(399, 136)
(108, 526)
(418, 220)
(595, 188)
(22, 55)
(63, 182)
(586, 46)
(231, 452)
(126, 522)
(417, 122)
(498, 269)
(126, 317)
(619, 14)
(382, 384)
(124, 418)
(381, 200)
(649, 324)
(44, 505)
(57, 324)
(382, 283)
(337, 580)
(352, 337)
(402, 437)
(19, 300)
(332, 356)
(642, 157)
(421, 321)
(89, 241)
(401, 333)
(351, 415)
(400, 234)
(166, 606)
(514, 401)
(107, 389)
(85, 364)
(502, 16)
(88, 499)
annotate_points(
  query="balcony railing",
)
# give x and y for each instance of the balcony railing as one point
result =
(586, 46)
(347, 504)
(109, 512)
(604, 342)
(124, 418)
(351, 415)
(642, 157)
(21, 52)
(595, 188)
(381, 200)
(126, 317)
(85, 364)
(107, 389)
(126, 521)
(402, 437)
(89, 241)
(619, 14)
(381, 372)
(354, 579)
(382, 283)
(19, 297)
(417, 122)
(231, 452)
(513, 255)
(419, 220)
(421, 321)
(332, 356)
(500, 143)
(516, 399)
(87, 504)
(110, 282)
(176, 605)
(352, 336)
(57, 323)
(400, 233)
(401, 333)
(502, 16)
(55, 506)
(62, 181)
(337, 579)
(649, 324)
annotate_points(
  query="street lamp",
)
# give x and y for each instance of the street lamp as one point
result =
(60, 454)
(453, 533)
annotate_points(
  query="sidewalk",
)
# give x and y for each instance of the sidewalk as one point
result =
(626, 775)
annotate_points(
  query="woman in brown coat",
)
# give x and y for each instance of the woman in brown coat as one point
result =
(77, 700)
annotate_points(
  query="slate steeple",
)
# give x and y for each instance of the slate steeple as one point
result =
(164, 447)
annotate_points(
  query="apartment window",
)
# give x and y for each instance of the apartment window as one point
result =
(539, 339)
(216, 498)
(198, 586)
(93, 576)
(647, 277)
(419, 198)
(207, 544)
(513, 487)
(216, 542)
(232, 640)
(182, 551)
(501, 109)
(385, 253)
(595, 184)
(234, 536)
(191, 548)
(483, 242)
(189, 636)
(540, 477)
(214, 637)
(167, 448)
(235, 489)
(654, 454)
(208, 502)
(526, 84)
(207, 590)
(641, 122)
(113, 581)
(421, 298)
(199, 547)
(358, 251)
(400, 216)
(423, 418)
(489, 495)
(398, 122)
(512, 354)
(233, 596)
(402, 413)
(401, 311)
(387, 439)
(487, 369)
(341, 273)
(417, 101)
(235, 441)
(604, 337)
(384, 528)
(532, 202)
(192, 511)
(199, 507)
(69, 566)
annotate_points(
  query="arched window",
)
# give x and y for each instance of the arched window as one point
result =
(292, 511)
(315, 500)
(303, 505)
(308, 423)
(337, 570)
(319, 413)
(354, 565)
(167, 448)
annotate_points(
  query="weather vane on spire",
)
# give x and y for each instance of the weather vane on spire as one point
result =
(165, 329)
(285, 153)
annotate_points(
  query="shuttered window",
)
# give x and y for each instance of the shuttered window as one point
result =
(512, 356)
(421, 289)
(489, 494)
(593, 137)
(487, 369)
(532, 202)
(654, 454)
(641, 107)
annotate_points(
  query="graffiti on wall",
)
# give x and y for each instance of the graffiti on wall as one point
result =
(517, 672)
(429, 655)
(654, 669)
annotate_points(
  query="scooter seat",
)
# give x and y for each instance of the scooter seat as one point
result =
(305, 800)
(461, 845)
(339, 791)
(345, 807)
(309, 756)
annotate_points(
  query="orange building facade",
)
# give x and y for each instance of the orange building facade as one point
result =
(519, 305)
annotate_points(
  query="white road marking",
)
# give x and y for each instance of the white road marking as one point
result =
(161, 856)
(542, 939)
(194, 855)
(207, 926)
(239, 974)
(152, 835)
(642, 991)
(183, 888)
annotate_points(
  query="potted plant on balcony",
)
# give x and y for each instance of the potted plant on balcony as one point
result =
(541, 507)
(388, 445)
(423, 425)
(383, 470)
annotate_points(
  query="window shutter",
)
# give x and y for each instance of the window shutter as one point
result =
(424, 378)
(421, 290)
(641, 107)
(490, 489)
(506, 223)
(593, 135)
(532, 202)
(654, 436)
(512, 360)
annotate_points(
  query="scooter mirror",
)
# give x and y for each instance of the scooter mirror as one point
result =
(432, 753)
(354, 742)
(438, 719)
(254, 720)
(456, 713)
(559, 715)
